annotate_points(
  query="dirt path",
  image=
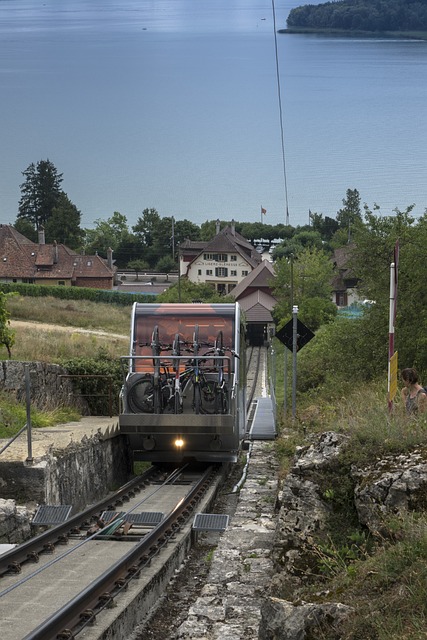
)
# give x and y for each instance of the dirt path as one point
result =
(44, 326)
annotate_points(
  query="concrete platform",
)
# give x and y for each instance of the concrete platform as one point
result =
(72, 463)
(60, 436)
(264, 421)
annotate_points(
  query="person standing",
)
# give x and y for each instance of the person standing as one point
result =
(414, 396)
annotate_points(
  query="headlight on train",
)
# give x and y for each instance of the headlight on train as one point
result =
(179, 443)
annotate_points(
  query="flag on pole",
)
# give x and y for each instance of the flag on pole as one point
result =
(263, 211)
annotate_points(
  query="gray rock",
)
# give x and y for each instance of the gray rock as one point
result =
(282, 620)
(393, 485)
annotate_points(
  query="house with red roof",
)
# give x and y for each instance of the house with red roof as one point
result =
(22, 260)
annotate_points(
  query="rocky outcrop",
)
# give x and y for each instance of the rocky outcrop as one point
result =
(390, 486)
(282, 619)
(14, 522)
(302, 511)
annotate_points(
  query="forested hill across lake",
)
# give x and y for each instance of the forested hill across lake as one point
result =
(407, 17)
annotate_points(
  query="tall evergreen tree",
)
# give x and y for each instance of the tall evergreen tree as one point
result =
(64, 223)
(40, 193)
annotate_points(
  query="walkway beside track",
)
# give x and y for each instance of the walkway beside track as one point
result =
(263, 424)
(58, 437)
(229, 607)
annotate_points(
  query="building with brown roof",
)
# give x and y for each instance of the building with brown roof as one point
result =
(344, 282)
(254, 294)
(223, 261)
(22, 260)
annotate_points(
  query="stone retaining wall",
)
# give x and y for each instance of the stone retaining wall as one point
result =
(48, 390)
(78, 475)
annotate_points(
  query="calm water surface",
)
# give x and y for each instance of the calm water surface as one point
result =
(173, 104)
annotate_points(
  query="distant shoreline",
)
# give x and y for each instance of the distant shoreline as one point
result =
(408, 35)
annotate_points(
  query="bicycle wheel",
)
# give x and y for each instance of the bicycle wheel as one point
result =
(140, 395)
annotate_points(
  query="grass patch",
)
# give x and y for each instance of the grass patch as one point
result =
(389, 588)
(55, 344)
(71, 313)
(13, 416)
(383, 579)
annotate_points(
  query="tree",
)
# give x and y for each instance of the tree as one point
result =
(186, 291)
(350, 215)
(166, 264)
(108, 234)
(7, 336)
(145, 227)
(40, 193)
(186, 229)
(305, 281)
(27, 229)
(64, 224)
(325, 226)
(138, 266)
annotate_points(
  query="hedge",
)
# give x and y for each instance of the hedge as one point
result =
(75, 293)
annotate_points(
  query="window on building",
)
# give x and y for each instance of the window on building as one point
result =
(233, 258)
(233, 272)
(341, 299)
(208, 272)
(245, 273)
(199, 272)
(61, 283)
(217, 257)
(221, 272)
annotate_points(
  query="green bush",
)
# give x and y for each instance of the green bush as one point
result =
(98, 380)
(76, 293)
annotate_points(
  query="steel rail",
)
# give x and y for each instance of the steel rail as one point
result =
(253, 387)
(29, 551)
(81, 611)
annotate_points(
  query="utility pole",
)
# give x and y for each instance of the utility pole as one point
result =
(173, 238)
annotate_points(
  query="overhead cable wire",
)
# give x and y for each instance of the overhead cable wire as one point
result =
(279, 94)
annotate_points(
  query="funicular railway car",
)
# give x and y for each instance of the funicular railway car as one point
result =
(184, 389)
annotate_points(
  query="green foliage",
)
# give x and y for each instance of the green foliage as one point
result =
(13, 416)
(306, 282)
(63, 226)
(325, 226)
(7, 336)
(99, 381)
(166, 264)
(187, 291)
(75, 293)
(375, 243)
(350, 214)
(40, 193)
(345, 350)
(107, 234)
(362, 15)
(138, 266)
(26, 228)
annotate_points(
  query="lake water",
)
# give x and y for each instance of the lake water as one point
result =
(173, 104)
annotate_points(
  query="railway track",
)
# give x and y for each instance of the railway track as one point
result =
(70, 576)
(69, 587)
